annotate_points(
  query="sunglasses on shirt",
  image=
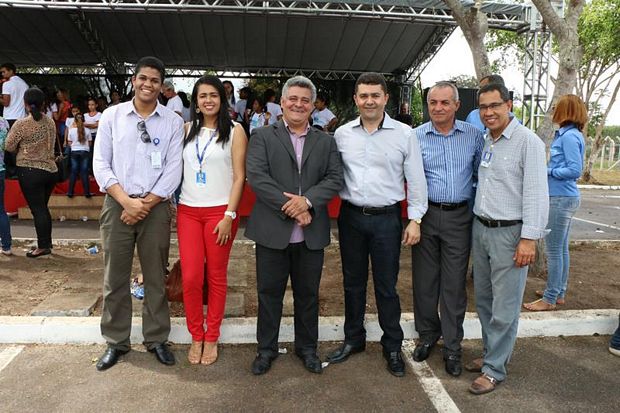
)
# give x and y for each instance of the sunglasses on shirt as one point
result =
(144, 134)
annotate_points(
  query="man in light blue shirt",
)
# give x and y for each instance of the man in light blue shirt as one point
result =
(451, 152)
(474, 115)
(138, 163)
(378, 155)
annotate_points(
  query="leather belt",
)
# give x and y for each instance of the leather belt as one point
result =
(498, 224)
(368, 210)
(447, 206)
(137, 196)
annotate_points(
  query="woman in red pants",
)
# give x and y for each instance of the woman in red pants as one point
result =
(213, 179)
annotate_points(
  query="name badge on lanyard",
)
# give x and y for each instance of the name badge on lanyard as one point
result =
(156, 160)
(201, 176)
(486, 158)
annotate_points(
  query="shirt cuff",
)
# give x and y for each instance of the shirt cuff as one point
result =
(108, 183)
(530, 232)
(414, 213)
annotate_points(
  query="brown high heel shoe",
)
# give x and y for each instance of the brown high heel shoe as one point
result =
(195, 352)
(209, 354)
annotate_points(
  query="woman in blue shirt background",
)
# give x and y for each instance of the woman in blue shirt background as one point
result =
(565, 167)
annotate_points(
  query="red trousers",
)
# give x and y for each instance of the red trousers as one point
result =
(197, 245)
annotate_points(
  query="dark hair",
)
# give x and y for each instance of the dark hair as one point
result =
(228, 82)
(494, 79)
(224, 124)
(153, 62)
(34, 98)
(269, 93)
(371, 78)
(79, 121)
(184, 98)
(258, 99)
(322, 96)
(503, 91)
(9, 66)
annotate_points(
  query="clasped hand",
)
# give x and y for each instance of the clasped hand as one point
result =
(136, 209)
(297, 207)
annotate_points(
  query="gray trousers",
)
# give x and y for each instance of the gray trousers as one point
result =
(499, 287)
(439, 276)
(151, 236)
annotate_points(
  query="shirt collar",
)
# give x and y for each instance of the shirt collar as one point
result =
(129, 108)
(303, 135)
(508, 131)
(565, 128)
(386, 122)
(457, 126)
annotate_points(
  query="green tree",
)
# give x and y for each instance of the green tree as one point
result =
(599, 76)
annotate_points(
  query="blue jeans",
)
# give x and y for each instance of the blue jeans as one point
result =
(561, 211)
(79, 164)
(5, 226)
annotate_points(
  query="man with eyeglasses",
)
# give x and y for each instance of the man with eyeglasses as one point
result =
(138, 163)
(511, 208)
(451, 152)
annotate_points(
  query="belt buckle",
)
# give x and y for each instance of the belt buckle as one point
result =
(364, 211)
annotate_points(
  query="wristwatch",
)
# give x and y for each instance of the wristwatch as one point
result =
(231, 214)
(417, 221)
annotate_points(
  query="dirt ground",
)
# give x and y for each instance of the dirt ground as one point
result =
(24, 283)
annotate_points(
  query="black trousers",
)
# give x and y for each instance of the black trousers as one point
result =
(10, 157)
(439, 276)
(37, 186)
(378, 236)
(273, 268)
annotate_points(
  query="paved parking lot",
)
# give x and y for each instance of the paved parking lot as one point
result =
(545, 375)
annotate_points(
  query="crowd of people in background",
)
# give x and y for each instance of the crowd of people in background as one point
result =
(482, 187)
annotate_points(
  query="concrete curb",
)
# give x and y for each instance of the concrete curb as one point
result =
(85, 330)
(607, 187)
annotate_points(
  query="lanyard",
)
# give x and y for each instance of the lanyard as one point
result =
(201, 156)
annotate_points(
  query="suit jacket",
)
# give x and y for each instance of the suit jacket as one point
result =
(271, 169)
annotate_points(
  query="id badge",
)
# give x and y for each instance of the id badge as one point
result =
(486, 159)
(201, 179)
(156, 160)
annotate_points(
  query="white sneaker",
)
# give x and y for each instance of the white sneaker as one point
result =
(8, 253)
(614, 351)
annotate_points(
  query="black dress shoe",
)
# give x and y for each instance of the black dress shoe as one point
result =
(395, 363)
(109, 358)
(312, 362)
(344, 352)
(453, 365)
(422, 350)
(261, 364)
(163, 354)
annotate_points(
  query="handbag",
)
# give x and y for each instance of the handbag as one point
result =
(63, 163)
(174, 284)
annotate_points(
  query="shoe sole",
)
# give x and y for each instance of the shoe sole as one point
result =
(615, 352)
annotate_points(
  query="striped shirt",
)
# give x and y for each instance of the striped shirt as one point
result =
(514, 184)
(121, 157)
(450, 161)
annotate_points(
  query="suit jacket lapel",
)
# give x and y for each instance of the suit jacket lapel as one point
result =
(311, 139)
(285, 139)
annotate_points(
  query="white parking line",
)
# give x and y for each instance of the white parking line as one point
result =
(596, 223)
(430, 383)
(8, 354)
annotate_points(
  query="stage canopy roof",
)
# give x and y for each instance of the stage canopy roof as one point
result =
(334, 39)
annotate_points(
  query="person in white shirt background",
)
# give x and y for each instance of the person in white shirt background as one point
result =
(272, 108)
(322, 117)
(174, 103)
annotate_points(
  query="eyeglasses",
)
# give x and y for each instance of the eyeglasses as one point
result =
(144, 135)
(492, 106)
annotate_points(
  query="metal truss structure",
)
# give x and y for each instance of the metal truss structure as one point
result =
(513, 18)
(536, 72)
(399, 10)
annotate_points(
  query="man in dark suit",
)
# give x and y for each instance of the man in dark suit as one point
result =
(295, 171)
